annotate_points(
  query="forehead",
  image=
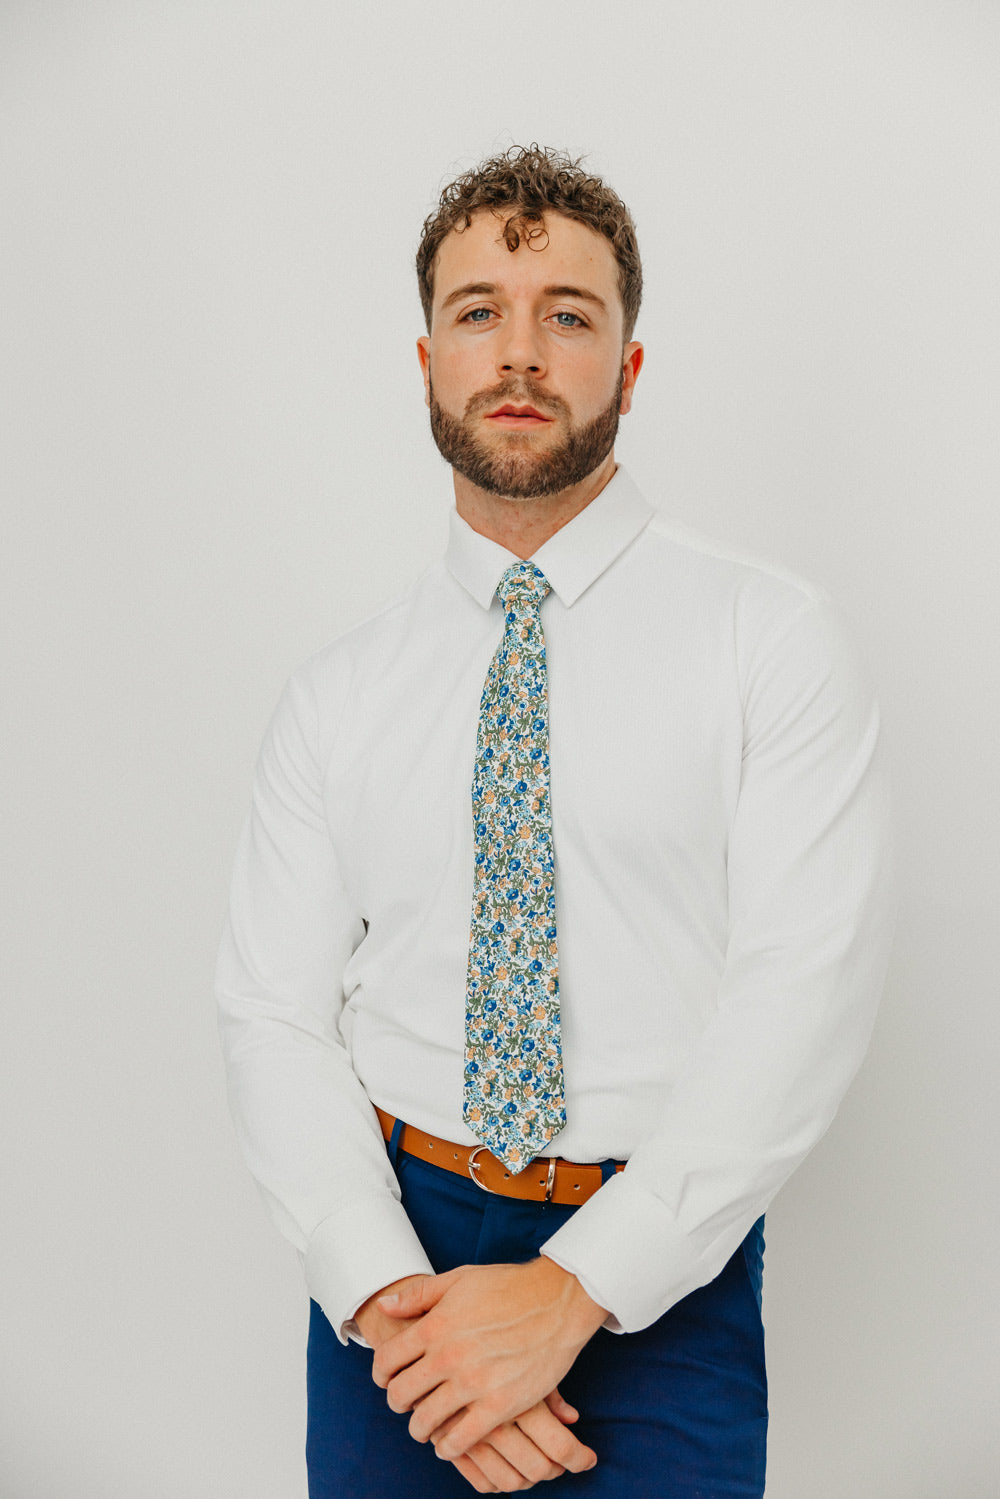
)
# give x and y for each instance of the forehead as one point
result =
(566, 252)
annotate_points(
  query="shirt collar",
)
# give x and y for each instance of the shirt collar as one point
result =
(571, 559)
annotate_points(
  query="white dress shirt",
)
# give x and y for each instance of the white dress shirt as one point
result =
(723, 901)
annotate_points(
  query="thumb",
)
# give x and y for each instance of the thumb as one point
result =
(561, 1408)
(415, 1299)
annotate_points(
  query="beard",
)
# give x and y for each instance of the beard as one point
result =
(511, 468)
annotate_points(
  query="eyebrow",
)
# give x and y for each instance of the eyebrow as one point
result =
(489, 289)
(471, 289)
(579, 292)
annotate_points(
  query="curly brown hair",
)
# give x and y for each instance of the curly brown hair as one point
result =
(527, 181)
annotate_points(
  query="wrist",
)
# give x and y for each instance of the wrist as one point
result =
(580, 1313)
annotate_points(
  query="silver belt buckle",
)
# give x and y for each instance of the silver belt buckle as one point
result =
(473, 1166)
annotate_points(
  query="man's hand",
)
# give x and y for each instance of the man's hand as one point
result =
(519, 1454)
(373, 1323)
(515, 1455)
(492, 1340)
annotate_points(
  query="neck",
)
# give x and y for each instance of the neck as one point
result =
(522, 526)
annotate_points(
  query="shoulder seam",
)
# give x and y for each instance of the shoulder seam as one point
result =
(396, 602)
(683, 536)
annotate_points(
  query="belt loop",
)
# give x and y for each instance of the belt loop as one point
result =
(607, 1170)
(392, 1148)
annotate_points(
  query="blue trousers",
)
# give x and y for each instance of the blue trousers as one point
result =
(679, 1409)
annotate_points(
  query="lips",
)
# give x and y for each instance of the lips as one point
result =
(511, 415)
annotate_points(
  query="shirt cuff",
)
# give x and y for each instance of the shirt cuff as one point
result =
(353, 1254)
(629, 1254)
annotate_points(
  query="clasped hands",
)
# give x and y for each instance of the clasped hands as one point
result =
(476, 1354)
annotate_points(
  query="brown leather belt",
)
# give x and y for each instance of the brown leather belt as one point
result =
(547, 1179)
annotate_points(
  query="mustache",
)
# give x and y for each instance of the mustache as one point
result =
(524, 392)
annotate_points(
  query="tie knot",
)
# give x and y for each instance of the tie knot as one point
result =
(522, 587)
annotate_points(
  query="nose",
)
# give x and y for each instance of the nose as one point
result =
(519, 349)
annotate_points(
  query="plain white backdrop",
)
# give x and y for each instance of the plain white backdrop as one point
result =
(215, 458)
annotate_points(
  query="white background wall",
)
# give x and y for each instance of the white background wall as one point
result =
(215, 459)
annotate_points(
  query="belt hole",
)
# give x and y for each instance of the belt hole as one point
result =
(576, 1186)
(430, 1144)
(455, 1155)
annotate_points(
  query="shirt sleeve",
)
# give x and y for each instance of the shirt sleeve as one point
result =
(811, 916)
(306, 1127)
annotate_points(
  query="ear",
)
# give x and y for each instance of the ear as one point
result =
(631, 365)
(424, 356)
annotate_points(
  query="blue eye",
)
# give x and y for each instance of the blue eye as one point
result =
(576, 321)
(474, 315)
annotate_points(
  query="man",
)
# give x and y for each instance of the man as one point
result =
(673, 860)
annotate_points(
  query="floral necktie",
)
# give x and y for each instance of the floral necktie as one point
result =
(514, 1101)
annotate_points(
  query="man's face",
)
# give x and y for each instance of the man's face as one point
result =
(524, 369)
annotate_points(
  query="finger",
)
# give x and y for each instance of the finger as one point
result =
(561, 1408)
(479, 1419)
(475, 1476)
(414, 1300)
(466, 1465)
(555, 1440)
(397, 1353)
(445, 1427)
(508, 1478)
(413, 1386)
(520, 1452)
(437, 1408)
